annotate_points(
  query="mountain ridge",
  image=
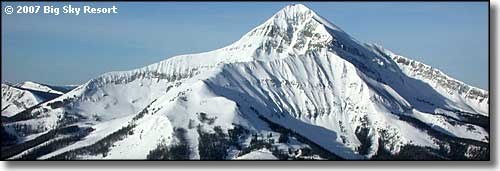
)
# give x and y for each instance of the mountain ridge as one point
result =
(21, 96)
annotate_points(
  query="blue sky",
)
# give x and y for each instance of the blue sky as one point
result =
(68, 49)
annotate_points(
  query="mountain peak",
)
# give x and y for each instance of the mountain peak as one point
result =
(297, 14)
(293, 8)
(294, 12)
(294, 29)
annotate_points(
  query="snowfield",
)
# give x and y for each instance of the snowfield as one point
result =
(262, 154)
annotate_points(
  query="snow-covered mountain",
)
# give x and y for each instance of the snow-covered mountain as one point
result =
(15, 100)
(19, 97)
(46, 88)
(294, 87)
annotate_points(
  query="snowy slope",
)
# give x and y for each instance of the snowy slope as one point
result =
(15, 100)
(37, 87)
(18, 97)
(263, 154)
(468, 97)
(294, 87)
